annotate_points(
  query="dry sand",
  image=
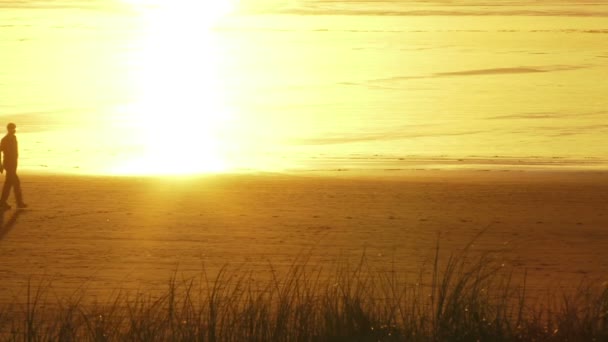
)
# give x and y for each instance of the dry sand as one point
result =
(111, 233)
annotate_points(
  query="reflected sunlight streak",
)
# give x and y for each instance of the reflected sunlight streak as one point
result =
(178, 112)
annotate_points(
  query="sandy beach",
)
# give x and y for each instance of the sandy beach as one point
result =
(104, 234)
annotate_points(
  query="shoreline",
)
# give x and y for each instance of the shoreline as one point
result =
(359, 165)
(395, 173)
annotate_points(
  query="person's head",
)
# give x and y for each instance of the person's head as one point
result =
(11, 128)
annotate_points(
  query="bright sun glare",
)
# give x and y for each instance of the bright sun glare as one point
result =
(209, 9)
(178, 112)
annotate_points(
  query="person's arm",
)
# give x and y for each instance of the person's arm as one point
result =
(1, 153)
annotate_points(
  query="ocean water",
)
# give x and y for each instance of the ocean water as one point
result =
(108, 87)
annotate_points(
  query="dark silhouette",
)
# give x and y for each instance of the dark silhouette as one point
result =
(8, 161)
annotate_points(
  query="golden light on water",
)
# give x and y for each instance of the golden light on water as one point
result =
(209, 10)
(185, 87)
(178, 110)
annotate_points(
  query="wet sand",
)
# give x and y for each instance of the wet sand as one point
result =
(105, 234)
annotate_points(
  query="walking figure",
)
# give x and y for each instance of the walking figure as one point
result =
(8, 162)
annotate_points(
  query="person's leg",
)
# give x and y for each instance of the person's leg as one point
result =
(17, 191)
(8, 183)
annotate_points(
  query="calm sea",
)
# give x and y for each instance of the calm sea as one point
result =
(102, 87)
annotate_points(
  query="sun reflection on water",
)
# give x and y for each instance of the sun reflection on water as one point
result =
(178, 112)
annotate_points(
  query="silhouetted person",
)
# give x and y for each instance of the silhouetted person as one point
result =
(8, 161)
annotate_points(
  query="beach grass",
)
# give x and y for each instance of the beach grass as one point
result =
(458, 298)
